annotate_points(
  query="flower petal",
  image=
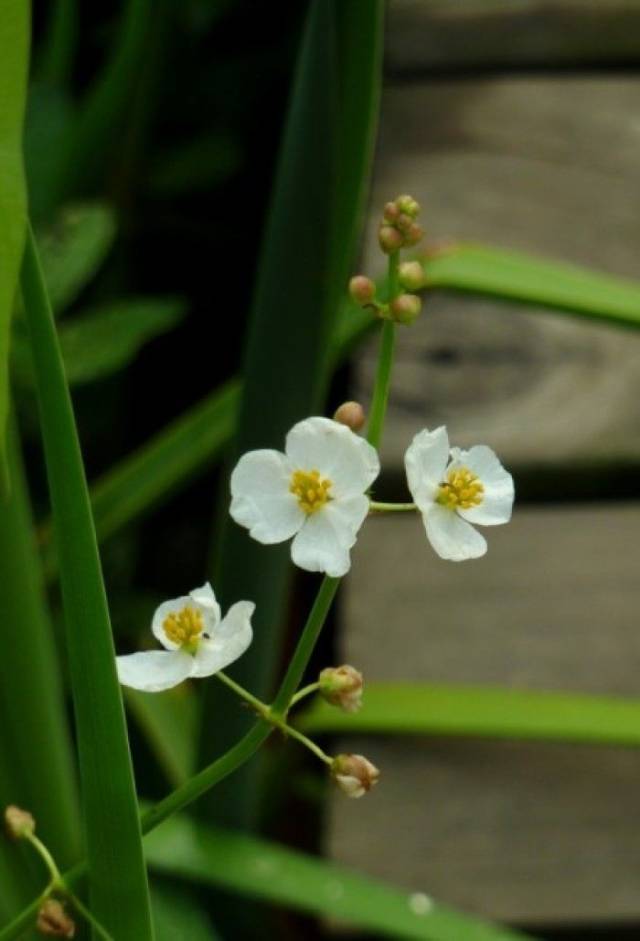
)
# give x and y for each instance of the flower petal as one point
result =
(229, 641)
(451, 536)
(322, 444)
(497, 501)
(425, 461)
(161, 613)
(154, 670)
(205, 600)
(261, 499)
(323, 543)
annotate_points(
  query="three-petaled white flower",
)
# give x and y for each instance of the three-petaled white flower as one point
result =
(315, 492)
(197, 640)
(453, 489)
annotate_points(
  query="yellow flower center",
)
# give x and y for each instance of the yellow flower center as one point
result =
(311, 489)
(461, 490)
(184, 627)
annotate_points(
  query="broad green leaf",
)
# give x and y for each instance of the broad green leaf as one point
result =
(73, 248)
(55, 57)
(48, 122)
(169, 722)
(117, 875)
(309, 245)
(409, 709)
(104, 339)
(265, 870)
(14, 61)
(497, 272)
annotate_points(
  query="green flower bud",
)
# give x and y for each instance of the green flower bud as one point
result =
(405, 308)
(413, 234)
(390, 239)
(411, 275)
(408, 205)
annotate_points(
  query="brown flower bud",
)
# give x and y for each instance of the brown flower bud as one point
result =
(405, 308)
(354, 774)
(391, 212)
(362, 290)
(411, 275)
(408, 205)
(351, 414)
(19, 823)
(54, 921)
(342, 686)
(404, 222)
(390, 239)
(413, 234)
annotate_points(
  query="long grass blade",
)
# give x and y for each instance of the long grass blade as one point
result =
(410, 709)
(261, 869)
(118, 881)
(14, 62)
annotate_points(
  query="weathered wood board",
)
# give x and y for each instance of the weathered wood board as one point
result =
(437, 34)
(527, 833)
(547, 165)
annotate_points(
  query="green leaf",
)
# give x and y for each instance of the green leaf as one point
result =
(14, 60)
(176, 915)
(309, 244)
(104, 339)
(199, 164)
(168, 721)
(261, 869)
(117, 875)
(48, 122)
(496, 272)
(408, 709)
(73, 248)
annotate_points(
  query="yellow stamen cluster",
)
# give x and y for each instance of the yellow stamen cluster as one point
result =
(184, 627)
(311, 489)
(461, 490)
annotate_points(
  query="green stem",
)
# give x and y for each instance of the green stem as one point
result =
(385, 360)
(307, 742)
(47, 859)
(375, 507)
(305, 691)
(261, 708)
(86, 914)
(306, 644)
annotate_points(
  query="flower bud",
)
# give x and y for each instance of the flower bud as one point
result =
(351, 414)
(413, 234)
(411, 275)
(408, 205)
(354, 774)
(362, 290)
(405, 308)
(54, 921)
(390, 239)
(391, 212)
(342, 686)
(404, 222)
(19, 823)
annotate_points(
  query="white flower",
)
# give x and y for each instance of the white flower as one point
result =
(197, 641)
(453, 489)
(315, 492)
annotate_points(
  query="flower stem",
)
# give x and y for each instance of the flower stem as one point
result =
(266, 712)
(86, 914)
(305, 691)
(375, 507)
(304, 649)
(385, 361)
(46, 857)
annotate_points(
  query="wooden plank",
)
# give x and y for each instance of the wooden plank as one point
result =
(526, 833)
(546, 165)
(445, 34)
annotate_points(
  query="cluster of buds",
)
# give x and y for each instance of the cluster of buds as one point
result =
(354, 774)
(342, 686)
(54, 921)
(399, 228)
